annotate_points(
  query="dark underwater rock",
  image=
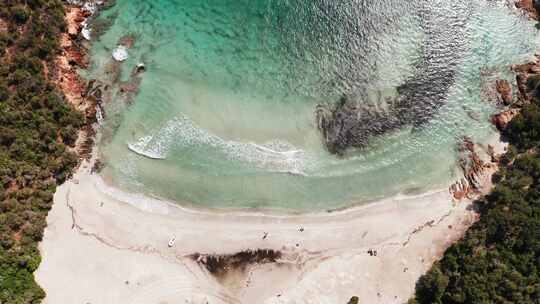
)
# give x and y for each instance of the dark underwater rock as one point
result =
(353, 121)
(350, 125)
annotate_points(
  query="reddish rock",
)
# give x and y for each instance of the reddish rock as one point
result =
(79, 19)
(521, 80)
(460, 190)
(128, 41)
(502, 119)
(467, 145)
(73, 26)
(85, 13)
(529, 67)
(505, 91)
(75, 57)
(473, 168)
(528, 7)
(535, 69)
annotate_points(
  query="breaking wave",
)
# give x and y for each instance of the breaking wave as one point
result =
(181, 134)
(225, 114)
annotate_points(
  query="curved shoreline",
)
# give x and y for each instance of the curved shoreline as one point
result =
(139, 199)
(123, 248)
(397, 151)
(101, 230)
(145, 203)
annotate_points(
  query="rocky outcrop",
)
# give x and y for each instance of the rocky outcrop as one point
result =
(124, 43)
(531, 7)
(527, 68)
(94, 98)
(128, 41)
(505, 91)
(85, 97)
(76, 17)
(526, 74)
(502, 119)
(476, 171)
(120, 53)
(521, 80)
(460, 190)
(528, 83)
(139, 69)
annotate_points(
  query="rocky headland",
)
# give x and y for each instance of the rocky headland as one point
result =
(79, 93)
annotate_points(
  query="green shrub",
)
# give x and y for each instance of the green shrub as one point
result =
(524, 130)
(36, 124)
(498, 259)
(20, 14)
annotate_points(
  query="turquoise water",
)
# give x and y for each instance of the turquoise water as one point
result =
(225, 114)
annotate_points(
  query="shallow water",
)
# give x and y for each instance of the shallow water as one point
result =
(225, 115)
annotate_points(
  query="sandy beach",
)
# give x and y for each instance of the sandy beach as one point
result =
(103, 246)
(115, 249)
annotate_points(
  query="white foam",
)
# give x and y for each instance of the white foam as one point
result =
(86, 32)
(141, 148)
(91, 6)
(120, 53)
(99, 115)
(182, 133)
(137, 200)
(88, 5)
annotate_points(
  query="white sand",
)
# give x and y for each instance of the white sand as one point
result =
(98, 249)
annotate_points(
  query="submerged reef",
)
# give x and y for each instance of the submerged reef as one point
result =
(355, 119)
(352, 123)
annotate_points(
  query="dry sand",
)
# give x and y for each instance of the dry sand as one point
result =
(104, 249)
(100, 248)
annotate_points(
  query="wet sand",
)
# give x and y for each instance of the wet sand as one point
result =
(103, 249)
(115, 249)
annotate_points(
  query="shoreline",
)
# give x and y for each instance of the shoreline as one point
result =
(91, 223)
(124, 248)
(141, 201)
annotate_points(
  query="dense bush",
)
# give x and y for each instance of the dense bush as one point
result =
(524, 131)
(498, 260)
(36, 123)
(19, 13)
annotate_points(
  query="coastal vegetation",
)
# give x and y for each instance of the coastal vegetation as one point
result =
(37, 126)
(498, 259)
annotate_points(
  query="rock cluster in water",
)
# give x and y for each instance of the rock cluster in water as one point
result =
(528, 84)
